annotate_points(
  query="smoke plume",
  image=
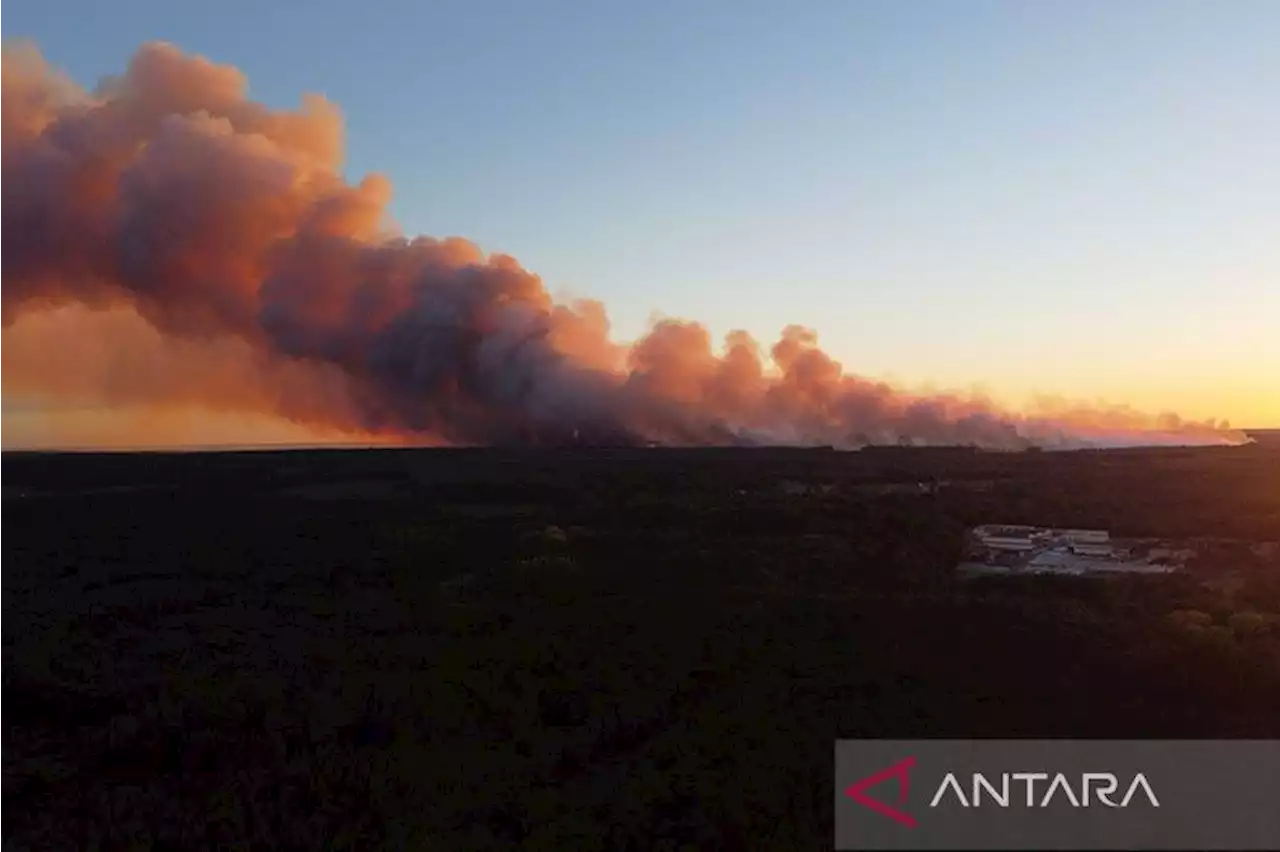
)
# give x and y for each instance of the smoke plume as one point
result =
(168, 241)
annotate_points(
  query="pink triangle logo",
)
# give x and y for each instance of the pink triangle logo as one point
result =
(901, 771)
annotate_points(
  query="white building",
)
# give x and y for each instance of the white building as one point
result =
(1086, 536)
(1007, 530)
(1006, 543)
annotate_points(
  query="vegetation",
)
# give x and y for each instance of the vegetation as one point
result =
(646, 649)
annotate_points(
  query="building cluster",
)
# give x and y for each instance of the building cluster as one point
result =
(1023, 539)
(1006, 549)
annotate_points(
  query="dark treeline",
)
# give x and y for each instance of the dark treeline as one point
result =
(602, 649)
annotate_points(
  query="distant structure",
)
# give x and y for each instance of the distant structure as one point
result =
(1009, 543)
(1095, 543)
(1010, 538)
(1020, 549)
(1090, 549)
(1085, 536)
(1018, 530)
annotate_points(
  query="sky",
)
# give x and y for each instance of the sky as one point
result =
(1076, 199)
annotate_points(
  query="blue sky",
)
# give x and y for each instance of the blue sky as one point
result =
(1077, 198)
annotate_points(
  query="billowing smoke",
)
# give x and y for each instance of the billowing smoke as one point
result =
(168, 241)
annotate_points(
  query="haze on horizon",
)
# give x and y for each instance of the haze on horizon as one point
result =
(1073, 202)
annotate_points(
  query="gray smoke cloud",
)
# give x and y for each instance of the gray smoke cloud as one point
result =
(228, 226)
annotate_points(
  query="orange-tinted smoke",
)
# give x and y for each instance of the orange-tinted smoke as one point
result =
(113, 359)
(240, 272)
